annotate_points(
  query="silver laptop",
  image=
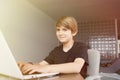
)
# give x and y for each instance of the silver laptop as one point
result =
(8, 65)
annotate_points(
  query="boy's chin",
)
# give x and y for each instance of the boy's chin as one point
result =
(63, 42)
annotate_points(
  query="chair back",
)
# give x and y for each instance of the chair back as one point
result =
(94, 62)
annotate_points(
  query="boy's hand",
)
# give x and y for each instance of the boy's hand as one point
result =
(22, 64)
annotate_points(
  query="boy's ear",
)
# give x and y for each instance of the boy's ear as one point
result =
(74, 33)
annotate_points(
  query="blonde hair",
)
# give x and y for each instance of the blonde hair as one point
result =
(68, 22)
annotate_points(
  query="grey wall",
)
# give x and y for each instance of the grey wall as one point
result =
(29, 32)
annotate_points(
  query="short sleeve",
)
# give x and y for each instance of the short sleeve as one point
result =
(50, 58)
(82, 51)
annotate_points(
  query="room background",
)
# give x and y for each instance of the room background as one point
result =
(30, 33)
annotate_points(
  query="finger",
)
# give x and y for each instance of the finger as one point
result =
(27, 68)
(20, 66)
(32, 71)
(26, 71)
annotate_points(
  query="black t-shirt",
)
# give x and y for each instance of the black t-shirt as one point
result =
(57, 55)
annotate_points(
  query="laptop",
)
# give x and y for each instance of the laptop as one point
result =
(8, 64)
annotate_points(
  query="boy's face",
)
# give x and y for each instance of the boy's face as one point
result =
(64, 35)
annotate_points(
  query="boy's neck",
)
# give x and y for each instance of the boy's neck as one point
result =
(67, 46)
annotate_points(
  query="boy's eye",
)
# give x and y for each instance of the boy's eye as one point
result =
(64, 29)
(61, 29)
(57, 29)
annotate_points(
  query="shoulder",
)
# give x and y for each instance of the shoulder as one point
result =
(80, 47)
(80, 44)
(57, 48)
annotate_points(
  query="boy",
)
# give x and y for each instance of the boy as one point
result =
(68, 57)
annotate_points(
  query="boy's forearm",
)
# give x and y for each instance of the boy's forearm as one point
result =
(67, 67)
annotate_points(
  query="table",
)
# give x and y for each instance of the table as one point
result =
(57, 77)
(104, 76)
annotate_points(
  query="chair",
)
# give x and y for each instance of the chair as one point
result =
(114, 68)
(94, 62)
(94, 67)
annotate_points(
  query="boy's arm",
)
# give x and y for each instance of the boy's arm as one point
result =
(43, 63)
(71, 67)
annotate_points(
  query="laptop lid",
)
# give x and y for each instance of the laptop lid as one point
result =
(8, 65)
